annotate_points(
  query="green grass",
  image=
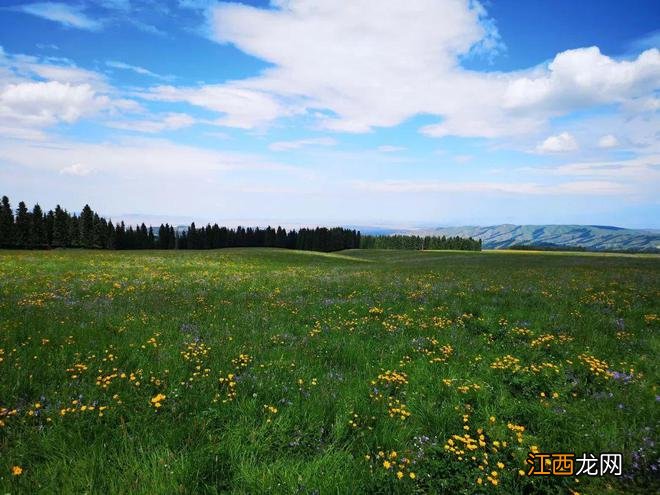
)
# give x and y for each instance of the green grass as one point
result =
(274, 366)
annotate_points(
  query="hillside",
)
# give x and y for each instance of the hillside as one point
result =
(592, 237)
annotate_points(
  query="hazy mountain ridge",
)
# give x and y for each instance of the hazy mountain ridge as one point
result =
(592, 237)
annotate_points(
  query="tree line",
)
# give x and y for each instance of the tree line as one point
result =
(36, 229)
(419, 243)
(317, 239)
(545, 247)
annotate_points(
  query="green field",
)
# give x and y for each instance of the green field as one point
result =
(273, 371)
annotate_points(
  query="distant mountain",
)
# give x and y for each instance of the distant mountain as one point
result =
(591, 237)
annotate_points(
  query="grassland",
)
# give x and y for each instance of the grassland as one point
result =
(270, 371)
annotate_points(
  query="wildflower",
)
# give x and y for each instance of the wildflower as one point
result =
(386, 464)
(412, 475)
(399, 474)
(157, 399)
(16, 470)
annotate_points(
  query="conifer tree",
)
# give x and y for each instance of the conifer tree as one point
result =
(49, 222)
(87, 227)
(111, 236)
(6, 224)
(74, 231)
(61, 228)
(120, 236)
(99, 232)
(172, 238)
(37, 228)
(22, 226)
(163, 232)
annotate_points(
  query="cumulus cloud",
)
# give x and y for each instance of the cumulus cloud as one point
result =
(584, 77)
(68, 15)
(293, 145)
(397, 60)
(608, 141)
(558, 144)
(47, 103)
(36, 93)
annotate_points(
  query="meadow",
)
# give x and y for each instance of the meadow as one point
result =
(363, 371)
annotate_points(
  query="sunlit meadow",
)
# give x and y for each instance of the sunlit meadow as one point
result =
(271, 371)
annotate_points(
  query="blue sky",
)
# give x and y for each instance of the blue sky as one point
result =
(424, 112)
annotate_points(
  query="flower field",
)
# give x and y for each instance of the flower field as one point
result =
(275, 371)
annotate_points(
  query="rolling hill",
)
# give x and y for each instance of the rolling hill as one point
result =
(591, 237)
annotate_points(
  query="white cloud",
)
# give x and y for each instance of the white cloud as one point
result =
(37, 93)
(47, 103)
(23, 67)
(376, 76)
(67, 74)
(67, 15)
(386, 148)
(76, 169)
(134, 68)
(558, 144)
(639, 175)
(21, 132)
(584, 77)
(608, 141)
(397, 60)
(166, 122)
(243, 108)
(644, 170)
(293, 145)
